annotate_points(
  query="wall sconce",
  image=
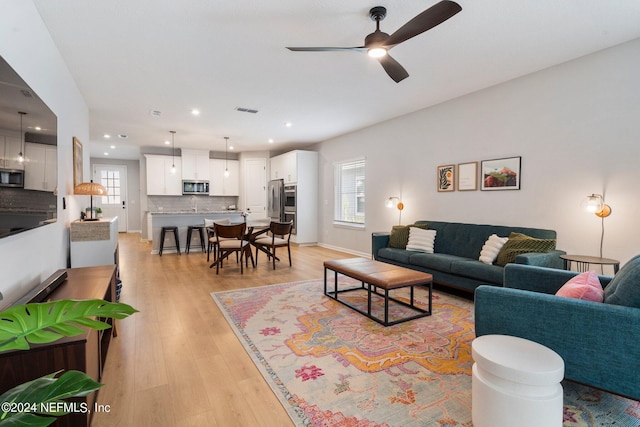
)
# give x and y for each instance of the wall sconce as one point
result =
(595, 204)
(397, 203)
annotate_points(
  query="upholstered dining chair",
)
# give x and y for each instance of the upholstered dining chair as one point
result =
(212, 242)
(278, 235)
(230, 239)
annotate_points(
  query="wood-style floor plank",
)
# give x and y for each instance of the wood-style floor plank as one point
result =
(177, 362)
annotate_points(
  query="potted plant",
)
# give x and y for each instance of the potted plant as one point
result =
(36, 402)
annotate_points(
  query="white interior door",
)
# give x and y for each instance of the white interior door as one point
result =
(255, 187)
(114, 179)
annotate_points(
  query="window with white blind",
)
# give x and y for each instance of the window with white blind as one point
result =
(349, 180)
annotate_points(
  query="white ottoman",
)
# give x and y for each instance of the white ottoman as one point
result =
(516, 382)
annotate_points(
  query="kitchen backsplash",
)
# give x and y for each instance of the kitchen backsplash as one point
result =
(190, 203)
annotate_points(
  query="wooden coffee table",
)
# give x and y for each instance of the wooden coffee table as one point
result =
(373, 275)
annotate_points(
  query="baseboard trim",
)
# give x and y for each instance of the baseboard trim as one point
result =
(349, 251)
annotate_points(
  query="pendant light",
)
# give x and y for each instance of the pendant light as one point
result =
(226, 156)
(21, 154)
(173, 151)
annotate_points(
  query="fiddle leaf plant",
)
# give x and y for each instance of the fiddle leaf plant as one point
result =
(36, 402)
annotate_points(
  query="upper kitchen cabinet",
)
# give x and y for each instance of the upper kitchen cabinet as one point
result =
(195, 165)
(160, 180)
(10, 149)
(221, 185)
(40, 167)
(285, 166)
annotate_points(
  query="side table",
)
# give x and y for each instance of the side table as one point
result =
(583, 261)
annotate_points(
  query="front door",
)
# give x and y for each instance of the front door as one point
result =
(114, 179)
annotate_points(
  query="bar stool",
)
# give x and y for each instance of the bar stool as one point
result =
(172, 229)
(200, 229)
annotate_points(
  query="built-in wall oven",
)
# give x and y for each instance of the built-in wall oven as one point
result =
(290, 209)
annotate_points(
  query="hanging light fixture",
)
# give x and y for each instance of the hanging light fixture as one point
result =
(173, 151)
(226, 155)
(21, 154)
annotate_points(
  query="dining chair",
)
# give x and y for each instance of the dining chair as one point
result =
(212, 242)
(278, 235)
(231, 239)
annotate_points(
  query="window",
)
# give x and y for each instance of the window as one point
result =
(349, 179)
(110, 179)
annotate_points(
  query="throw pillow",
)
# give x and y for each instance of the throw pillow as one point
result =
(400, 235)
(421, 240)
(491, 248)
(584, 286)
(521, 244)
(623, 288)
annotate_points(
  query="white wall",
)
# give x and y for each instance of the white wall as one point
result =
(576, 126)
(30, 257)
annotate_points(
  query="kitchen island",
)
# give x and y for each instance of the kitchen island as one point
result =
(182, 220)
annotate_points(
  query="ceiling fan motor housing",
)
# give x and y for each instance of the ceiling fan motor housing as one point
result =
(378, 13)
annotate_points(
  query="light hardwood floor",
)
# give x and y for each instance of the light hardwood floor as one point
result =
(177, 362)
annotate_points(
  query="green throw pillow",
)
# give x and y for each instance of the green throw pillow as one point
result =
(521, 244)
(400, 235)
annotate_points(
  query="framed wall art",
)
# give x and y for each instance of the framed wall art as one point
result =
(468, 176)
(77, 162)
(446, 178)
(501, 174)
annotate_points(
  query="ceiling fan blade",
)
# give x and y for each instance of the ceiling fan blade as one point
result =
(325, 49)
(393, 68)
(435, 15)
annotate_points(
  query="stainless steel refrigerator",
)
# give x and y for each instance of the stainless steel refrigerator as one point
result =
(275, 204)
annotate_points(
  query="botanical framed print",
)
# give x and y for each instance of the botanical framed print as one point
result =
(468, 176)
(77, 161)
(501, 174)
(446, 178)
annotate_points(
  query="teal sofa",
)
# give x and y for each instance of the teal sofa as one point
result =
(597, 341)
(454, 262)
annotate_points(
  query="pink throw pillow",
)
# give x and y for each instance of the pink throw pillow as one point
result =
(584, 286)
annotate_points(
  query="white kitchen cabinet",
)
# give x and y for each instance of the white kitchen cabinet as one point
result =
(160, 180)
(285, 166)
(10, 149)
(219, 185)
(195, 165)
(300, 168)
(40, 167)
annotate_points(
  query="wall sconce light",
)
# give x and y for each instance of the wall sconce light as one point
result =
(595, 204)
(397, 203)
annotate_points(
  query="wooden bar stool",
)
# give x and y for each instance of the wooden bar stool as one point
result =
(200, 229)
(172, 229)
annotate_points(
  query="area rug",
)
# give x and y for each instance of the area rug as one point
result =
(330, 366)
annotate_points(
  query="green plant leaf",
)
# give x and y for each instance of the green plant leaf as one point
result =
(44, 396)
(40, 323)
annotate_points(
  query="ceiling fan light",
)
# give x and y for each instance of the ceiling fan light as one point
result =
(377, 52)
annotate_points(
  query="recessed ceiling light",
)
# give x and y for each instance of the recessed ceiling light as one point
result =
(270, 141)
(106, 154)
(106, 135)
(167, 142)
(113, 147)
(231, 147)
(288, 124)
(38, 128)
(195, 112)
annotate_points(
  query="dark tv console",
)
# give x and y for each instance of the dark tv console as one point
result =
(86, 352)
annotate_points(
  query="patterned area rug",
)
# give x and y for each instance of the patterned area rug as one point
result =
(331, 366)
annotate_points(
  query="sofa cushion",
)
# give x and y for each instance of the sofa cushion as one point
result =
(624, 289)
(440, 262)
(400, 235)
(491, 248)
(395, 254)
(421, 240)
(521, 244)
(584, 286)
(478, 270)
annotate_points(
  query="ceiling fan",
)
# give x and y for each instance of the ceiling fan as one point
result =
(378, 43)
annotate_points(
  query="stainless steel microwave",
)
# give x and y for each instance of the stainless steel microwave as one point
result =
(195, 187)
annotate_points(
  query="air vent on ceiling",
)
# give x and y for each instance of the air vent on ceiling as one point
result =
(246, 110)
(155, 113)
(26, 93)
